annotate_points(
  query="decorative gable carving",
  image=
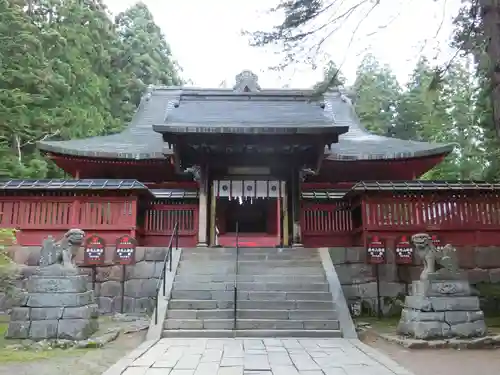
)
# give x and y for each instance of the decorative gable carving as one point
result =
(246, 81)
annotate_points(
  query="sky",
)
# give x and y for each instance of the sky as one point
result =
(205, 38)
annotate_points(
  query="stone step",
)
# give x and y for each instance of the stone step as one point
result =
(198, 324)
(176, 304)
(250, 257)
(197, 262)
(285, 305)
(251, 278)
(225, 333)
(249, 295)
(214, 270)
(254, 250)
(253, 314)
(253, 286)
(200, 314)
(180, 304)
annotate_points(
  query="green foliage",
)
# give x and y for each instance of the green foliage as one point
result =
(8, 268)
(378, 95)
(455, 111)
(332, 77)
(68, 71)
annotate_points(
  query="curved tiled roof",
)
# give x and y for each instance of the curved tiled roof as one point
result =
(137, 142)
(164, 107)
(359, 144)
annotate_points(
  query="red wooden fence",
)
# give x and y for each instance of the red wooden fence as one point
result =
(460, 219)
(465, 219)
(38, 216)
(326, 224)
(160, 219)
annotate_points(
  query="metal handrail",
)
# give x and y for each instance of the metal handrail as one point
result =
(235, 301)
(168, 258)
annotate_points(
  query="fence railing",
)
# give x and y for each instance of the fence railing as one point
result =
(162, 283)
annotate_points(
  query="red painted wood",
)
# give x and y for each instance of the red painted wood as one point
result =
(161, 219)
(153, 170)
(160, 222)
(37, 217)
(375, 169)
(326, 224)
(249, 240)
(459, 218)
(272, 216)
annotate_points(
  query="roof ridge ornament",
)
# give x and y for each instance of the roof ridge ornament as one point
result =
(246, 81)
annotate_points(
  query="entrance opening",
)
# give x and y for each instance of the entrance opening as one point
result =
(256, 218)
(250, 214)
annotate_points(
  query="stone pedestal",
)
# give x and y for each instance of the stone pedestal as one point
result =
(438, 309)
(57, 305)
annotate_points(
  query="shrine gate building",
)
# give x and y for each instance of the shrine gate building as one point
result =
(282, 167)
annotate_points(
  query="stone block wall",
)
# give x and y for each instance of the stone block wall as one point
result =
(140, 279)
(359, 283)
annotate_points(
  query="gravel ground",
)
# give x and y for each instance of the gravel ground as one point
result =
(441, 361)
(89, 362)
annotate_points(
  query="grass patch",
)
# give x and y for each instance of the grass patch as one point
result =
(10, 354)
(384, 325)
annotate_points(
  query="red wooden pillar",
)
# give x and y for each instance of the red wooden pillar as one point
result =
(133, 208)
(278, 219)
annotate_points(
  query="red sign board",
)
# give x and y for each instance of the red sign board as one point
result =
(94, 251)
(404, 251)
(125, 250)
(436, 241)
(375, 251)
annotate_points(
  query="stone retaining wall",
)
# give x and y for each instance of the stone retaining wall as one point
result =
(140, 279)
(359, 285)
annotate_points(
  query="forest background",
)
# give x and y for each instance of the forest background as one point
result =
(69, 70)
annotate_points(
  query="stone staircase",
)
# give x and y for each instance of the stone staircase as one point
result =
(281, 293)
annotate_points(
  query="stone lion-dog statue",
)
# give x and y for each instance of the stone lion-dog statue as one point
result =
(442, 262)
(63, 251)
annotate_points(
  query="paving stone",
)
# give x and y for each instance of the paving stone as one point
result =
(182, 372)
(135, 371)
(207, 369)
(304, 362)
(211, 355)
(231, 361)
(305, 357)
(256, 362)
(188, 362)
(158, 371)
(281, 359)
(234, 370)
(284, 370)
(337, 371)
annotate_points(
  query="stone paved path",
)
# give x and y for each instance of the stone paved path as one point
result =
(262, 357)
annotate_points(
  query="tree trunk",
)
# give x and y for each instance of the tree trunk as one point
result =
(490, 13)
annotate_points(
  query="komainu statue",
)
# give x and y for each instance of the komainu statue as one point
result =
(438, 263)
(63, 251)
